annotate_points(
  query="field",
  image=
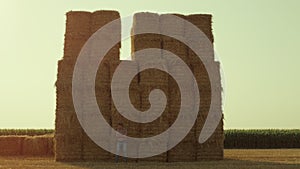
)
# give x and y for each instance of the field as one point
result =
(262, 139)
(234, 159)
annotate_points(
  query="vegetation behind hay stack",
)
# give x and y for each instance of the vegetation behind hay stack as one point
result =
(262, 138)
(28, 132)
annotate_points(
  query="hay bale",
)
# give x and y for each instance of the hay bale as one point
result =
(68, 147)
(100, 19)
(203, 22)
(145, 22)
(77, 32)
(92, 152)
(175, 28)
(51, 146)
(11, 145)
(103, 17)
(37, 146)
(171, 25)
(78, 22)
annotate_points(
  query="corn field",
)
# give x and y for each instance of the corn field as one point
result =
(264, 139)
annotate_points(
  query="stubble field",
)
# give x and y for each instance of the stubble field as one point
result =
(234, 159)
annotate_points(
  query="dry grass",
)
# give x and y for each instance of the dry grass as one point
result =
(234, 159)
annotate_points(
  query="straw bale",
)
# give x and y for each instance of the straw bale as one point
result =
(158, 158)
(153, 77)
(66, 117)
(92, 152)
(203, 22)
(145, 22)
(68, 147)
(103, 97)
(171, 25)
(206, 52)
(101, 18)
(103, 74)
(131, 66)
(133, 129)
(78, 22)
(143, 41)
(182, 152)
(11, 145)
(38, 146)
(51, 145)
(73, 47)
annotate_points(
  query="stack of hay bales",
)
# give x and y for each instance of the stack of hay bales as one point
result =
(150, 79)
(134, 95)
(92, 151)
(203, 22)
(68, 132)
(176, 28)
(213, 148)
(14, 145)
(185, 150)
(71, 141)
(133, 128)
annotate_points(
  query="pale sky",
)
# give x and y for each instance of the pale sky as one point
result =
(257, 42)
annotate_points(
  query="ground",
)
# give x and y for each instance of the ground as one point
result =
(234, 159)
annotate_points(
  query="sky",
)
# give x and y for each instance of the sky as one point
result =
(257, 42)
